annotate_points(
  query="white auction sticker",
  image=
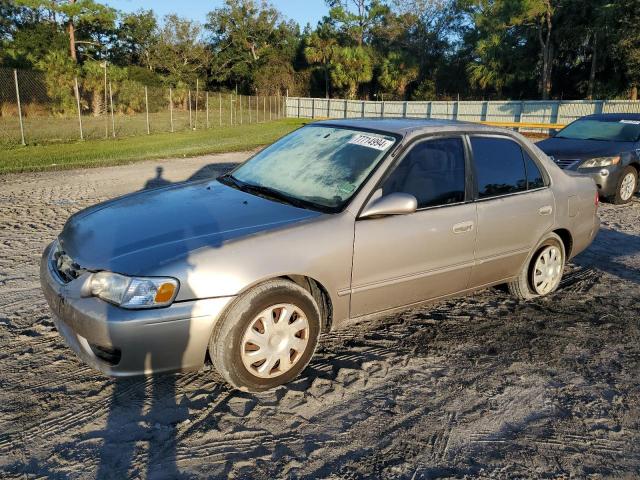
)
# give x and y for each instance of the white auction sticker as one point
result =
(632, 122)
(370, 141)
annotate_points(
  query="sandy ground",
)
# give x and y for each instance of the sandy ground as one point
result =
(484, 386)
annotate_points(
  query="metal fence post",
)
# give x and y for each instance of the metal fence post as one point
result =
(346, 107)
(106, 118)
(77, 91)
(113, 120)
(15, 77)
(171, 109)
(190, 122)
(257, 108)
(328, 108)
(362, 108)
(264, 108)
(195, 125)
(146, 104)
(298, 107)
(206, 101)
(231, 108)
(270, 98)
(313, 108)
(382, 109)
(404, 109)
(249, 108)
(240, 101)
(220, 107)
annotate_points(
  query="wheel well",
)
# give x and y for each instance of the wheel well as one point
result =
(567, 240)
(320, 295)
(636, 166)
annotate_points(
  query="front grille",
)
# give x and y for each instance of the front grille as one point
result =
(565, 162)
(65, 267)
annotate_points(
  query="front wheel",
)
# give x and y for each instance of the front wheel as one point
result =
(627, 186)
(543, 272)
(267, 336)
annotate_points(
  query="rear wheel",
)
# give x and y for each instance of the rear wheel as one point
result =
(542, 273)
(627, 186)
(267, 336)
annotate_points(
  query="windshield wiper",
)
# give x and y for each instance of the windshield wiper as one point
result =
(268, 192)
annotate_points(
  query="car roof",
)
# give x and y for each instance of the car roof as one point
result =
(404, 126)
(613, 117)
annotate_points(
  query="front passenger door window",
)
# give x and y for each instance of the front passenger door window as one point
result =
(433, 171)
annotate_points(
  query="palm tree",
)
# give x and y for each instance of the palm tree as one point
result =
(320, 51)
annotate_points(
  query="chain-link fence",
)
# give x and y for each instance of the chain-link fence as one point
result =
(41, 107)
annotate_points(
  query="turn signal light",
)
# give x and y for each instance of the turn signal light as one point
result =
(165, 292)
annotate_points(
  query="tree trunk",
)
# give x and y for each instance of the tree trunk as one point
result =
(326, 80)
(592, 73)
(72, 38)
(546, 46)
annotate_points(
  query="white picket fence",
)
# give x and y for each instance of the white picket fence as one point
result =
(528, 111)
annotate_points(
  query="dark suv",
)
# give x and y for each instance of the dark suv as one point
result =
(605, 146)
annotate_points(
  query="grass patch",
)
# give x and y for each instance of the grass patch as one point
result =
(99, 153)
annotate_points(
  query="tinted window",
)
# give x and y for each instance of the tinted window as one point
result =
(499, 166)
(432, 171)
(534, 176)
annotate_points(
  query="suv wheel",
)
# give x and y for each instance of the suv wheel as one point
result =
(266, 337)
(541, 275)
(627, 186)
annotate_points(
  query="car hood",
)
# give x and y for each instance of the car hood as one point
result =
(582, 149)
(139, 233)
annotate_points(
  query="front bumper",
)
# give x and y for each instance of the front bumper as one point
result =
(173, 338)
(606, 178)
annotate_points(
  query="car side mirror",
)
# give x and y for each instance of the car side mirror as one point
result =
(393, 204)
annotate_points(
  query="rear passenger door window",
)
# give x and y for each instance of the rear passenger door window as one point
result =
(499, 166)
(534, 175)
(433, 171)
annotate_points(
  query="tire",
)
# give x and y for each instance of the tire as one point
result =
(622, 196)
(254, 316)
(524, 287)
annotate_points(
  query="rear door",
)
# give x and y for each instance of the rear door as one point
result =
(515, 207)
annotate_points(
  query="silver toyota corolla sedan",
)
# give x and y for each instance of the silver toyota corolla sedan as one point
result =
(334, 223)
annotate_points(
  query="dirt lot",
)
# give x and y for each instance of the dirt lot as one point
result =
(483, 386)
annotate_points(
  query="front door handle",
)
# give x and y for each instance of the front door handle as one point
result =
(463, 227)
(546, 210)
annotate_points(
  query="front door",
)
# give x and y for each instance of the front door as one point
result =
(404, 259)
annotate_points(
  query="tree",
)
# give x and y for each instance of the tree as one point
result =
(350, 68)
(398, 70)
(628, 42)
(80, 18)
(320, 50)
(136, 37)
(179, 52)
(247, 36)
(357, 18)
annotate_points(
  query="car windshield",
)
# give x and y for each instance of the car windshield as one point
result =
(613, 131)
(315, 166)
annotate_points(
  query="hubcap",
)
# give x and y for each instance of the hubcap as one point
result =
(275, 340)
(628, 186)
(547, 270)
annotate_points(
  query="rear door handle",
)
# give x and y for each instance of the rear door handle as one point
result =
(463, 227)
(546, 210)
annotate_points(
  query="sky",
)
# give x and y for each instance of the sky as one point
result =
(302, 11)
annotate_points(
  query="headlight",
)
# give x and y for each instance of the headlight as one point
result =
(601, 162)
(134, 292)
